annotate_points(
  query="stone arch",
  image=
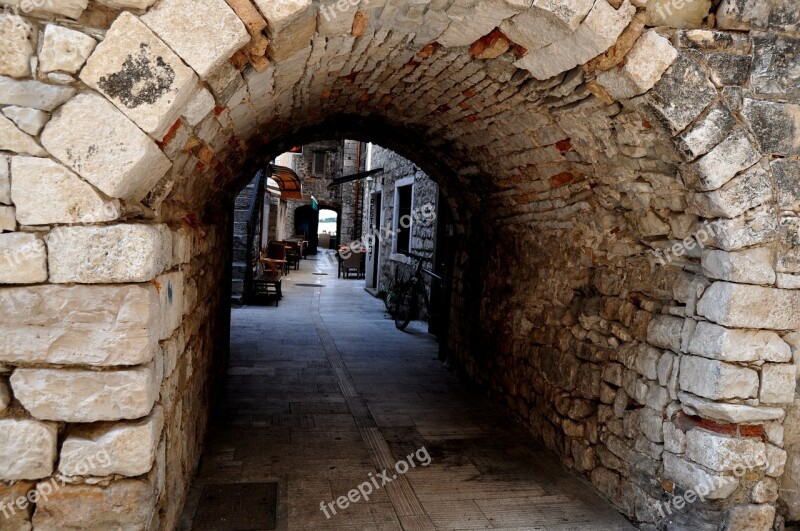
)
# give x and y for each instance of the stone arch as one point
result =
(585, 145)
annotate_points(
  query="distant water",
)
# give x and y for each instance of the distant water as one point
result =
(329, 227)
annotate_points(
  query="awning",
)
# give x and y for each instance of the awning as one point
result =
(288, 182)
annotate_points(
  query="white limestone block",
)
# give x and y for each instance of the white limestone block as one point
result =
(78, 395)
(64, 49)
(101, 326)
(45, 192)
(141, 75)
(689, 476)
(109, 254)
(199, 106)
(94, 139)
(778, 381)
(717, 380)
(733, 413)
(717, 342)
(5, 180)
(30, 121)
(27, 449)
(724, 453)
(750, 266)
(468, 24)
(16, 41)
(596, 34)
(711, 171)
(546, 22)
(17, 141)
(8, 218)
(141, 5)
(129, 449)
(33, 94)
(23, 259)
(68, 8)
(644, 65)
(205, 33)
(746, 306)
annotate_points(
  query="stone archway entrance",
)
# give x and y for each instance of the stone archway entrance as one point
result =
(624, 191)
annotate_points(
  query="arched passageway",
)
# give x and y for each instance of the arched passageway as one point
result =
(624, 193)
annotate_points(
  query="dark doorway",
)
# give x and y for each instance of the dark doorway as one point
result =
(306, 222)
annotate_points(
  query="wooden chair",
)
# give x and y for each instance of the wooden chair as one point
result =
(267, 279)
(351, 264)
(276, 252)
(294, 253)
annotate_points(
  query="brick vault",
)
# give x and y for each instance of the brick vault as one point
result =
(625, 183)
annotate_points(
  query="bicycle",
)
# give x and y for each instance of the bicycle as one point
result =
(407, 294)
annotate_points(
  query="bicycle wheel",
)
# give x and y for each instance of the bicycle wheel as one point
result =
(404, 305)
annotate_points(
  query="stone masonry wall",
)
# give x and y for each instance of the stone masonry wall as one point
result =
(623, 177)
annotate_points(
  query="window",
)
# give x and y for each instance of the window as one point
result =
(319, 164)
(404, 197)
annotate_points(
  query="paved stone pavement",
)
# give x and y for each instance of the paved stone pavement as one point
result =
(322, 393)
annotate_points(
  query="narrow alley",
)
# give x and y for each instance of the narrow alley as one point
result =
(323, 391)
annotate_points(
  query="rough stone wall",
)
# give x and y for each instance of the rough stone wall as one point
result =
(569, 143)
(423, 231)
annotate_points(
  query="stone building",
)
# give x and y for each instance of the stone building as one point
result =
(623, 182)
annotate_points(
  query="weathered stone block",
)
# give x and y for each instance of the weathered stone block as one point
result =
(64, 49)
(88, 325)
(596, 34)
(750, 266)
(27, 449)
(18, 516)
(681, 95)
(30, 121)
(777, 383)
(111, 254)
(129, 449)
(17, 141)
(643, 67)
(8, 218)
(78, 395)
(689, 476)
(127, 504)
(720, 343)
(751, 518)
(141, 5)
(5, 180)
(732, 155)
(776, 126)
(23, 259)
(665, 331)
(724, 453)
(470, 23)
(33, 94)
(746, 306)
(5, 396)
(686, 14)
(717, 380)
(787, 183)
(151, 87)
(733, 413)
(538, 26)
(747, 190)
(775, 59)
(199, 106)
(780, 15)
(205, 33)
(123, 162)
(755, 227)
(16, 41)
(46, 192)
(68, 8)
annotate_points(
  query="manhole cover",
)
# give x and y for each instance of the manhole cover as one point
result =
(311, 285)
(237, 507)
(320, 274)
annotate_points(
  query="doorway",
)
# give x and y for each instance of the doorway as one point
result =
(374, 248)
(328, 229)
(306, 222)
